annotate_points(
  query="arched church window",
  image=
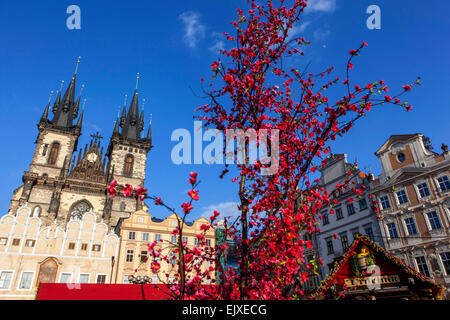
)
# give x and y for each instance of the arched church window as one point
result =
(36, 211)
(128, 167)
(53, 153)
(79, 209)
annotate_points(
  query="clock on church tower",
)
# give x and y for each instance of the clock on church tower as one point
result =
(79, 210)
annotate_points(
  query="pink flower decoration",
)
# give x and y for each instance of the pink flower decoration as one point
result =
(127, 190)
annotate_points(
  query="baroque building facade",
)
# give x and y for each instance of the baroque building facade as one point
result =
(352, 215)
(413, 195)
(140, 229)
(65, 180)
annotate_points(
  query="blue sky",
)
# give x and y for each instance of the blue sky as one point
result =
(172, 45)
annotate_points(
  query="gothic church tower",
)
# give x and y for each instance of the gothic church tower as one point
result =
(63, 183)
(128, 152)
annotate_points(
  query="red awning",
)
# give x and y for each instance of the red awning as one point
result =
(63, 291)
(74, 291)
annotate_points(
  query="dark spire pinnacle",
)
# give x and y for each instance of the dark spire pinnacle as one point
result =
(69, 96)
(123, 119)
(58, 99)
(149, 132)
(65, 111)
(77, 104)
(130, 128)
(141, 118)
(80, 119)
(116, 125)
(47, 108)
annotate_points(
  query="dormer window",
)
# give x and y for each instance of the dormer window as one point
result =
(401, 157)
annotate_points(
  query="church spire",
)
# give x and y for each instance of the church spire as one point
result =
(77, 104)
(116, 125)
(80, 119)
(149, 132)
(58, 98)
(123, 119)
(131, 126)
(64, 114)
(47, 108)
(141, 118)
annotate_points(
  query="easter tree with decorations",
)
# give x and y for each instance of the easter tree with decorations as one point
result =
(251, 88)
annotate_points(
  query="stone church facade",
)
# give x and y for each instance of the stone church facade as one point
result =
(65, 180)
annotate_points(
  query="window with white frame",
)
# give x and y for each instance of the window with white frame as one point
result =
(208, 242)
(140, 219)
(5, 279)
(423, 189)
(3, 241)
(185, 239)
(145, 236)
(410, 226)
(129, 256)
(445, 258)
(131, 235)
(196, 241)
(157, 237)
(174, 223)
(385, 204)
(25, 281)
(434, 221)
(65, 278)
(125, 279)
(144, 256)
(155, 279)
(444, 183)
(173, 239)
(84, 278)
(173, 259)
(402, 197)
(422, 266)
(197, 261)
(392, 229)
(30, 243)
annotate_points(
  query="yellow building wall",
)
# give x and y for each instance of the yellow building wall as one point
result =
(140, 222)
